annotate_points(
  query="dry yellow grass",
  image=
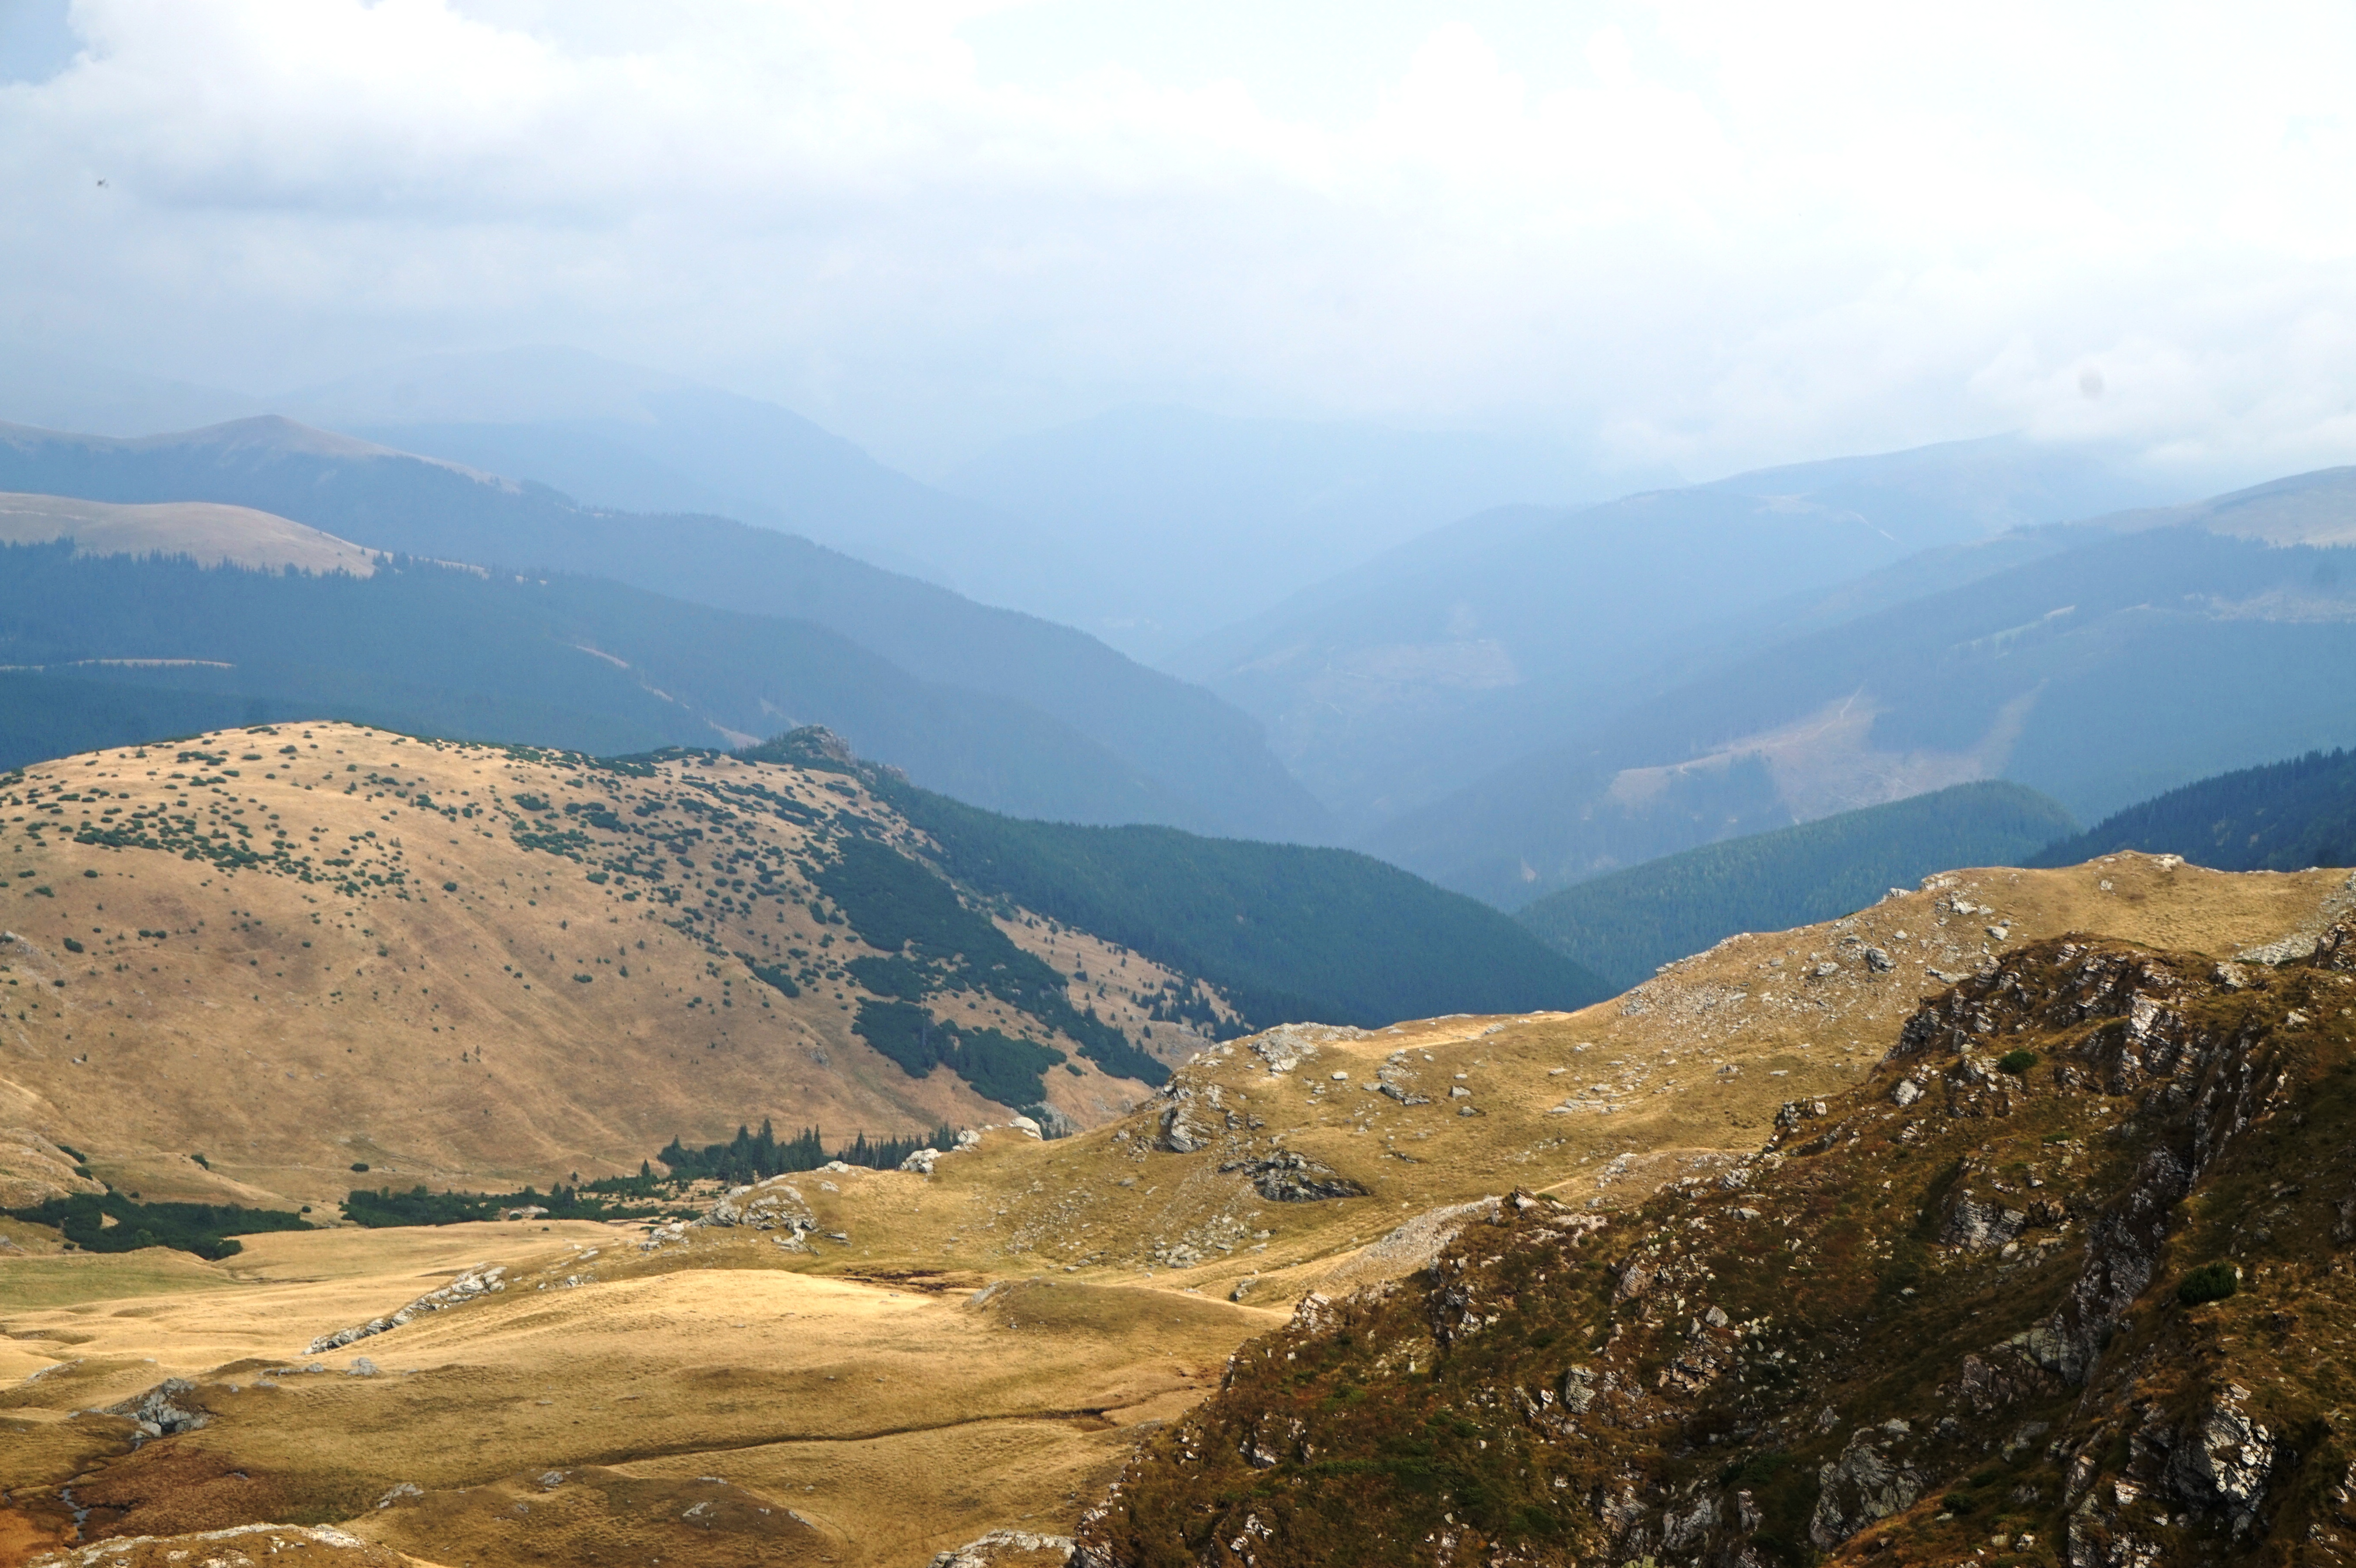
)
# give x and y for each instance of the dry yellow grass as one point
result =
(209, 533)
(416, 977)
(653, 1400)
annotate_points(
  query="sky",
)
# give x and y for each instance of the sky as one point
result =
(1691, 236)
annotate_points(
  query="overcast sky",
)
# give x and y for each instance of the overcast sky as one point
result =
(1705, 235)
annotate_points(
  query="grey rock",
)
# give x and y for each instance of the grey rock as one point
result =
(163, 1410)
(998, 1544)
(2223, 1460)
(487, 1279)
(1294, 1178)
(1863, 1485)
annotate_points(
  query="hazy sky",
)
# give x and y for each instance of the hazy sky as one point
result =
(1702, 234)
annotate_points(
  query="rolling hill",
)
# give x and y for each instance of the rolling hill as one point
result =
(1208, 765)
(337, 944)
(622, 437)
(317, 947)
(2283, 817)
(1626, 925)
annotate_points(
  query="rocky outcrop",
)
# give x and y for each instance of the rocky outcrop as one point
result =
(775, 1204)
(1937, 1317)
(1293, 1178)
(1871, 1480)
(167, 1408)
(487, 1279)
(288, 1544)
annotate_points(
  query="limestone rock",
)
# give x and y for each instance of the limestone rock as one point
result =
(244, 1545)
(1009, 1549)
(775, 1204)
(487, 1279)
(1294, 1178)
(1867, 1482)
(163, 1410)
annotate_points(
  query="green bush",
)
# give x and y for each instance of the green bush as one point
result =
(2017, 1062)
(384, 1207)
(207, 1229)
(2209, 1282)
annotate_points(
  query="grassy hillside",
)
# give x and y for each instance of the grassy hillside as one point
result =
(567, 662)
(1284, 932)
(884, 1366)
(2284, 817)
(307, 950)
(1628, 923)
(2071, 1297)
(873, 1366)
(1208, 765)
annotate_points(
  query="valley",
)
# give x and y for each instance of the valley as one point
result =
(1106, 786)
(845, 1364)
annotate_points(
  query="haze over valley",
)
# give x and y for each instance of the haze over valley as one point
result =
(1039, 785)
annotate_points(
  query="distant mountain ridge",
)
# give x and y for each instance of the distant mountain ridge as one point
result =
(1517, 631)
(2096, 663)
(455, 651)
(1208, 763)
(2281, 816)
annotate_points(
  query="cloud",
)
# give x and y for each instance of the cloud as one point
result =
(1693, 233)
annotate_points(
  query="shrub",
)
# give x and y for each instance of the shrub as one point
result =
(2017, 1062)
(2209, 1282)
(207, 1229)
(359, 1164)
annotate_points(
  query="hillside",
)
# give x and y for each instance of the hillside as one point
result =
(1625, 925)
(305, 947)
(623, 437)
(206, 533)
(1207, 760)
(779, 944)
(568, 662)
(1285, 931)
(2100, 674)
(874, 1366)
(2074, 1301)
(2283, 817)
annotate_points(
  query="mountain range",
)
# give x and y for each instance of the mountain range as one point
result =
(2098, 662)
(1180, 755)
(1506, 704)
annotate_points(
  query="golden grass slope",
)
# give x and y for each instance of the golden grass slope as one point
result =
(297, 948)
(978, 1350)
(209, 533)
